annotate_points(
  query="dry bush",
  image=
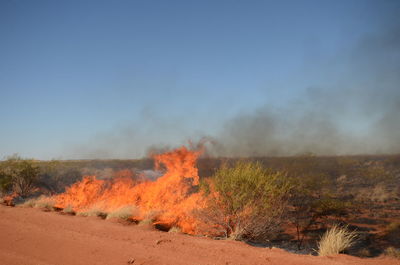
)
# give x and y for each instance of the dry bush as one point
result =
(335, 240)
(123, 213)
(380, 193)
(393, 232)
(392, 252)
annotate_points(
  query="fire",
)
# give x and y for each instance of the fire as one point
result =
(172, 197)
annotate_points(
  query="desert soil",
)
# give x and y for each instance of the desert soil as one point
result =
(34, 237)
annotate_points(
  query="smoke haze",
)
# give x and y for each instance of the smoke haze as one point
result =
(353, 108)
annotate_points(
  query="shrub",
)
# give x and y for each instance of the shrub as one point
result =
(392, 252)
(393, 232)
(245, 202)
(335, 240)
(18, 175)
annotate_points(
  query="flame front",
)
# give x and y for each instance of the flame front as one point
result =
(173, 196)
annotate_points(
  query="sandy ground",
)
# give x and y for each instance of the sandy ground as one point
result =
(33, 237)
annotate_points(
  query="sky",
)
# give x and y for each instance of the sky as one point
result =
(115, 79)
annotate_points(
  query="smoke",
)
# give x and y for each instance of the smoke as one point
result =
(351, 106)
(355, 111)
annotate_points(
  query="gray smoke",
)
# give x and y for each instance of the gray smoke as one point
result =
(356, 111)
(354, 108)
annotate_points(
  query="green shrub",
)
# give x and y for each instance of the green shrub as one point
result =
(246, 201)
(18, 175)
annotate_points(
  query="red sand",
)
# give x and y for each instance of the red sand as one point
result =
(33, 237)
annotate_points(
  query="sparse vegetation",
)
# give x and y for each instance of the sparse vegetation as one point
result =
(289, 199)
(43, 202)
(335, 240)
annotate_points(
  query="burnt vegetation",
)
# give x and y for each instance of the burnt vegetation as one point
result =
(287, 202)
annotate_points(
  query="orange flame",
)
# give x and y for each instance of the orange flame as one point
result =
(173, 196)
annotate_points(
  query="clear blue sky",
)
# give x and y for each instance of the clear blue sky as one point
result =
(75, 75)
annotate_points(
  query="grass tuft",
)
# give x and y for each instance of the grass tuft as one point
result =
(40, 202)
(68, 210)
(175, 229)
(124, 213)
(336, 240)
(93, 212)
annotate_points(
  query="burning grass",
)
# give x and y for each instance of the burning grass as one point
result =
(172, 195)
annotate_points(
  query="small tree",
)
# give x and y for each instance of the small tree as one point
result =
(246, 201)
(18, 175)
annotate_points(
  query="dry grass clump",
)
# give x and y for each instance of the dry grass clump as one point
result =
(150, 217)
(69, 210)
(335, 240)
(124, 213)
(146, 222)
(93, 212)
(175, 229)
(393, 232)
(40, 202)
(393, 252)
(393, 227)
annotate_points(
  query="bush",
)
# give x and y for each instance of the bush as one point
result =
(392, 252)
(393, 233)
(245, 202)
(18, 175)
(336, 240)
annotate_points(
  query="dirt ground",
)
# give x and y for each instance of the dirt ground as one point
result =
(34, 237)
